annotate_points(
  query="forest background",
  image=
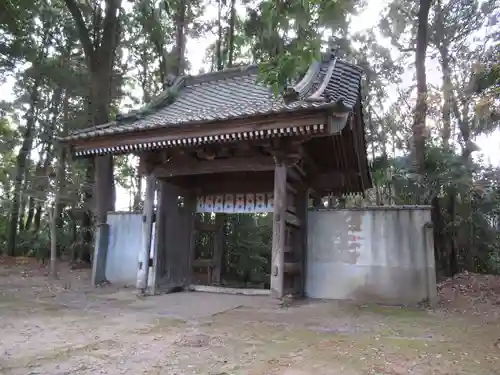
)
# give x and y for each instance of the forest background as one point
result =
(431, 101)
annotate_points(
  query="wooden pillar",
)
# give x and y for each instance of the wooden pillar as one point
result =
(302, 209)
(279, 224)
(218, 248)
(147, 231)
(190, 234)
(158, 269)
(176, 230)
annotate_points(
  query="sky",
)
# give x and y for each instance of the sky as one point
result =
(368, 19)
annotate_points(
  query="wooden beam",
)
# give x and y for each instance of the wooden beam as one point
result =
(186, 168)
(333, 179)
(279, 235)
(147, 228)
(226, 183)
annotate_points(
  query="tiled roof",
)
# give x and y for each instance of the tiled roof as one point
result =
(236, 93)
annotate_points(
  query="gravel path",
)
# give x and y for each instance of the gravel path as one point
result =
(66, 327)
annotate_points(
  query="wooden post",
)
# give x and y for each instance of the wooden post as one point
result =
(147, 228)
(176, 231)
(218, 248)
(279, 223)
(158, 268)
(190, 235)
(302, 209)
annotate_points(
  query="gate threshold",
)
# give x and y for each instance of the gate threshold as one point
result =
(226, 290)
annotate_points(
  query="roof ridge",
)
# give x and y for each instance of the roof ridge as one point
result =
(167, 96)
(317, 95)
(221, 74)
(351, 64)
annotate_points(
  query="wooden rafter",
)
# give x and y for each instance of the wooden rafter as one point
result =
(217, 133)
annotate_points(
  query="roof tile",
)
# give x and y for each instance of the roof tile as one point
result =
(237, 93)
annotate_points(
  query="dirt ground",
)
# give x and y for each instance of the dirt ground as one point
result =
(66, 327)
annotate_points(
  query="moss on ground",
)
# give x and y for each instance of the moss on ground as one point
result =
(409, 339)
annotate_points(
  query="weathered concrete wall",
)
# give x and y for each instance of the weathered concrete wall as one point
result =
(379, 254)
(125, 241)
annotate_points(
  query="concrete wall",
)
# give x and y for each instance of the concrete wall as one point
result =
(125, 241)
(379, 254)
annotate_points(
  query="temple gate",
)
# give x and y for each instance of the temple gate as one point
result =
(221, 142)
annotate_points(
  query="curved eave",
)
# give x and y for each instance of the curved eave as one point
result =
(317, 96)
(307, 81)
(187, 141)
(301, 107)
(298, 91)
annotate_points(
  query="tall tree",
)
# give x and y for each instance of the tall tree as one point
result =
(41, 44)
(99, 34)
(419, 126)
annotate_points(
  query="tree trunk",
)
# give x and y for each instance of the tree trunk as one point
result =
(443, 48)
(31, 213)
(137, 204)
(180, 37)
(60, 190)
(419, 125)
(32, 203)
(100, 54)
(35, 206)
(447, 87)
(21, 163)
(232, 22)
(86, 223)
(452, 255)
(24, 196)
(372, 131)
(63, 156)
(53, 213)
(218, 45)
(146, 97)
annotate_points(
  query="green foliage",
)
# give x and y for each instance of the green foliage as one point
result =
(248, 247)
(289, 35)
(494, 260)
(280, 72)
